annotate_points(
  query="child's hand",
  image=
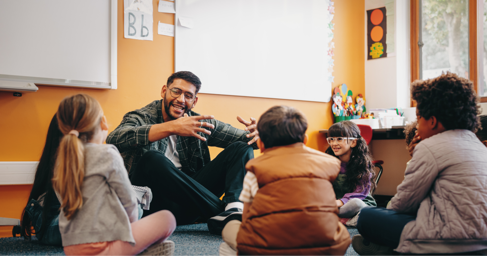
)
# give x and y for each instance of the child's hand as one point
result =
(414, 142)
(339, 203)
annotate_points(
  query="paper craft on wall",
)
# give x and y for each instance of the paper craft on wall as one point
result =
(165, 29)
(360, 106)
(337, 106)
(376, 33)
(167, 7)
(342, 101)
(344, 107)
(137, 21)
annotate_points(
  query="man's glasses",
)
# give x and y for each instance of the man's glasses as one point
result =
(339, 140)
(176, 92)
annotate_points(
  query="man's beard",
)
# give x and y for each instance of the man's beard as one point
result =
(167, 105)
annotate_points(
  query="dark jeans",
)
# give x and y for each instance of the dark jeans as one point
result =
(382, 226)
(197, 195)
(50, 236)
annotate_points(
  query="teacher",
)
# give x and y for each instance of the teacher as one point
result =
(165, 147)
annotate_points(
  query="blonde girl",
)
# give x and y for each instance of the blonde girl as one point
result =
(98, 205)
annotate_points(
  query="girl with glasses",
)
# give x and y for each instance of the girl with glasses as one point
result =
(354, 182)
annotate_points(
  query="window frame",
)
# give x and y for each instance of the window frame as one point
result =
(474, 41)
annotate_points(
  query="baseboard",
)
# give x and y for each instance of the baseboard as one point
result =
(17, 173)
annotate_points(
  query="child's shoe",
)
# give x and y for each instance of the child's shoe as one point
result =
(218, 222)
(352, 222)
(164, 248)
(226, 250)
(363, 247)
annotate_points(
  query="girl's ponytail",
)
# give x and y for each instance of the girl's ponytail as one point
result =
(69, 174)
(78, 117)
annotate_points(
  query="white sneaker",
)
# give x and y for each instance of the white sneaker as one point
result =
(164, 248)
(352, 222)
(226, 250)
(218, 222)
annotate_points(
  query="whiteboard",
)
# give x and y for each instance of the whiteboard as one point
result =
(59, 42)
(257, 48)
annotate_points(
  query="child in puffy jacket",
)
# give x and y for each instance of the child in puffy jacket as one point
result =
(289, 203)
(441, 206)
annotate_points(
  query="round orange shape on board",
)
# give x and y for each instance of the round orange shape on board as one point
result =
(376, 34)
(376, 17)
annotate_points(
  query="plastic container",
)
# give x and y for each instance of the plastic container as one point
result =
(374, 123)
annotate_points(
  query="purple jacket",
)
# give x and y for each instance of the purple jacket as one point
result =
(360, 192)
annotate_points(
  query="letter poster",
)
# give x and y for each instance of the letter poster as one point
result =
(137, 20)
(376, 33)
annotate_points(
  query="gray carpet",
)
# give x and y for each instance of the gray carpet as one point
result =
(189, 239)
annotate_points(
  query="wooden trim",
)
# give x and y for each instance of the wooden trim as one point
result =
(472, 42)
(414, 42)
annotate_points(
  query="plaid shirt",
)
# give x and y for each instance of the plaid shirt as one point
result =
(131, 138)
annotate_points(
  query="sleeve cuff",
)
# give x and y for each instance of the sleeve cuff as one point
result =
(143, 134)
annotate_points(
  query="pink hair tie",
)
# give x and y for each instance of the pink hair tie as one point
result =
(74, 132)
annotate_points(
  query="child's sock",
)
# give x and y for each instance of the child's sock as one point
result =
(238, 205)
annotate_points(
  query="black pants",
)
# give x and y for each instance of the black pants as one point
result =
(197, 195)
(382, 226)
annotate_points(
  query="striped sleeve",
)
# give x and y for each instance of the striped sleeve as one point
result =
(250, 187)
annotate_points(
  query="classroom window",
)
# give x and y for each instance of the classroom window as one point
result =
(444, 37)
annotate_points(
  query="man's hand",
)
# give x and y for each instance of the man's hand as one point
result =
(187, 126)
(251, 127)
(414, 142)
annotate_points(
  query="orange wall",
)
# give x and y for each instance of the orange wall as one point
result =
(143, 67)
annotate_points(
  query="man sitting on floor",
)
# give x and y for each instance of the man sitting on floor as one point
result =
(165, 147)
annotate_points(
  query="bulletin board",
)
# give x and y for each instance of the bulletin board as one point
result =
(272, 49)
(59, 42)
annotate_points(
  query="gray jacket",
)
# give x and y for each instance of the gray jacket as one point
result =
(446, 184)
(109, 201)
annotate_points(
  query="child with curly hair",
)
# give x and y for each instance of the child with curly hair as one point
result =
(410, 132)
(412, 137)
(482, 133)
(441, 205)
(354, 182)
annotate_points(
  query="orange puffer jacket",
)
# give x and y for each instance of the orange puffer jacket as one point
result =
(294, 210)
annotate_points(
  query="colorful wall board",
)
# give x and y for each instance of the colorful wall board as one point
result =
(376, 33)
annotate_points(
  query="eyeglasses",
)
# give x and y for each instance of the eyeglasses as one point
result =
(339, 140)
(176, 92)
